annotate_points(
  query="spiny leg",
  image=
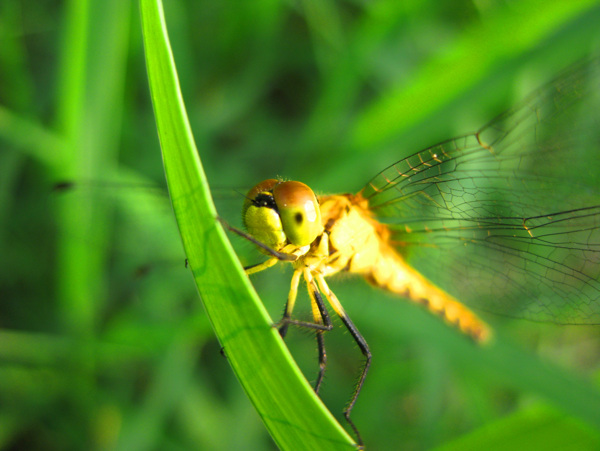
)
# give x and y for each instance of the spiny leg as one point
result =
(289, 305)
(360, 341)
(320, 315)
(286, 320)
(322, 360)
(364, 348)
(282, 256)
(261, 266)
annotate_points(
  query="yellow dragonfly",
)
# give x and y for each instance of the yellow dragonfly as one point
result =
(506, 220)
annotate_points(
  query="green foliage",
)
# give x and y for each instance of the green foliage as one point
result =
(96, 356)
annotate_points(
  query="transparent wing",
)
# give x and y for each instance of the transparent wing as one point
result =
(508, 219)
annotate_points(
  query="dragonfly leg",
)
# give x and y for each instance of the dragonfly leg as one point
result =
(322, 321)
(289, 305)
(321, 316)
(282, 256)
(261, 266)
(362, 345)
(322, 360)
(286, 320)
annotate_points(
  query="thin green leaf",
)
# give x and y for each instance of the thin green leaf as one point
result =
(534, 428)
(291, 411)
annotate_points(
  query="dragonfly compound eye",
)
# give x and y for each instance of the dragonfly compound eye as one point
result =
(260, 215)
(299, 212)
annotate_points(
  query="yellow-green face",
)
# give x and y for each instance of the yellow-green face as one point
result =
(277, 213)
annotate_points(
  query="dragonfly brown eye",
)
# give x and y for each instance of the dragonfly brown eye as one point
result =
(299, 212)
(262, 187)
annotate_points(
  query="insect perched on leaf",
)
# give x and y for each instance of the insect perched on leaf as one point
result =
(505, 220)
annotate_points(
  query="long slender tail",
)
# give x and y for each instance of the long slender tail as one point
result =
(391, 273)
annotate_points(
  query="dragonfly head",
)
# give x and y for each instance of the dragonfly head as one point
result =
(277, 213)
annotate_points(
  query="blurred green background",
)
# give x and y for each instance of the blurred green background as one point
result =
(104, 343)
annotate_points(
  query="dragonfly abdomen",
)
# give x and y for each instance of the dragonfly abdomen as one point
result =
(392, 273)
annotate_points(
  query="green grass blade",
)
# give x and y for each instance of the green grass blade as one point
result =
(293, 414)
(85, 146)
(536, 427)
(466, 64)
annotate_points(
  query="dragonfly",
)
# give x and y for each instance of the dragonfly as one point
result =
(505, 220)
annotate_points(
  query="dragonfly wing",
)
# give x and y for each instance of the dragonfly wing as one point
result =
(508, 219)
